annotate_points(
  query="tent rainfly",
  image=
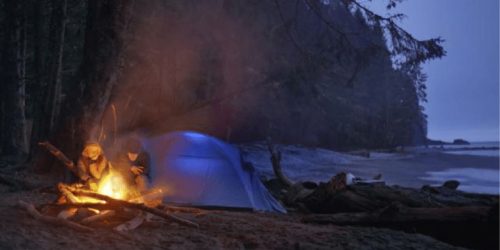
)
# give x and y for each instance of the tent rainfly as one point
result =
(200, 170)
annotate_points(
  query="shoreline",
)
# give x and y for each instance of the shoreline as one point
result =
(419, 169)
(469, 148)
(408, 169)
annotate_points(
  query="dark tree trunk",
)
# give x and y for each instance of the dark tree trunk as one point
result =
(48, 73)
(85, 103)
(56, 48)
(13, 55)
(39, 84)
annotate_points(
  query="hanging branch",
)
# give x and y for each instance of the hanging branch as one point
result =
(403, 44)
(403, 47)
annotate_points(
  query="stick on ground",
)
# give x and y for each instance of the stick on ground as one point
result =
(53, 220)
(131, 224)
(101, 216)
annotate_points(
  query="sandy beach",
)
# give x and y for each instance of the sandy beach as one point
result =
(218, 230)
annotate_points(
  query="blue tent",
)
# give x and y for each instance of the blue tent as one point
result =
(200, 170)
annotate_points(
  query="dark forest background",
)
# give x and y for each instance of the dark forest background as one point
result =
(319, 73)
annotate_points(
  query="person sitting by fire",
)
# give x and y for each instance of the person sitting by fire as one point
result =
(137, 163)
(92, 165)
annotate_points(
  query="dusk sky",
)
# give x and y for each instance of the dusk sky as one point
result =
(463, 86)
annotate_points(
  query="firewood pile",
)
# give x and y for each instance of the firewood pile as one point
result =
(84, 210)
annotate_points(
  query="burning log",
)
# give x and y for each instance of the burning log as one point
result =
(149, 196)
(69, 196)
(52, 220)
(92, 205)
(126, 204)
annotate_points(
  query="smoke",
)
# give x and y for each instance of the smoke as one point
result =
(186, 66)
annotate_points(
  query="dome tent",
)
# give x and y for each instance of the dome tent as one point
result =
(200, 170)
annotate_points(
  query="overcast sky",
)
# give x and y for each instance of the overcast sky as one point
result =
(462, 87)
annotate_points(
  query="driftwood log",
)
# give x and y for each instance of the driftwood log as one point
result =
(362, 198)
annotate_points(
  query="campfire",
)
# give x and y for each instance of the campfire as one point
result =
(112, 201)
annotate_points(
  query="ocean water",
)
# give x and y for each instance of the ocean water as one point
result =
(478, 144)
(493, 153)
(472, 149)
(471, 179)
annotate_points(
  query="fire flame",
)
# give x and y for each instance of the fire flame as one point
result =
(114, 186)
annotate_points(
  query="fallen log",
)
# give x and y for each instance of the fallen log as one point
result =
(403, 215)
(52, 220)
(362, 198)
(474, 227)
